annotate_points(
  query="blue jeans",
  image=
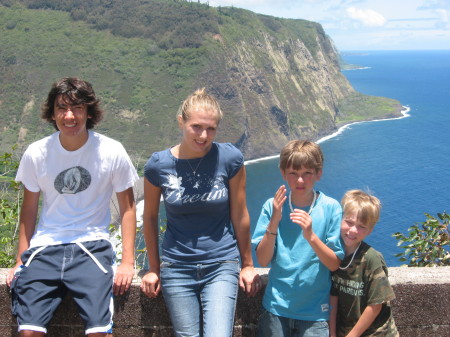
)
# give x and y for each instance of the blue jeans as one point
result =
(271, 325)
(201, 298)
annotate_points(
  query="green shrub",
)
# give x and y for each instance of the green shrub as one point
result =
(10, 201)
(427, 243)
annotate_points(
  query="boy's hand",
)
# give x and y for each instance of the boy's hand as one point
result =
(123, 278)
(278, 202)
(10, 275)
(301, 218)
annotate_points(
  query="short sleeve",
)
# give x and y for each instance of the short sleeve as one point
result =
(233, 158)
(263, 222)
(151, 169)
(125, 175)
(333, 239)
(26, 173)
(379, 289)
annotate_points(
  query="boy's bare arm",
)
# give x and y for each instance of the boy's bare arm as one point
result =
(368, 316)
(325, 253)
(333, 315)
(125, 271)
(265, 249)
(27, 225)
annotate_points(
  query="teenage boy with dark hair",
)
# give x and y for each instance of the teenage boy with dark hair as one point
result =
(76, 170)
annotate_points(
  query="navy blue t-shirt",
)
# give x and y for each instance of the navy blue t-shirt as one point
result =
(197, 205)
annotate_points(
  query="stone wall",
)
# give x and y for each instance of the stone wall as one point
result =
(422, 308)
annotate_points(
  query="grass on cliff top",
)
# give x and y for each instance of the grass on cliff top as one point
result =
(359, 107)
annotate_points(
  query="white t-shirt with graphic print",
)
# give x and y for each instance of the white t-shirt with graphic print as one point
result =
(76, 186)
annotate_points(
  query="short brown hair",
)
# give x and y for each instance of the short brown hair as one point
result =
(73, 91)
(301, 153)
(366, 207)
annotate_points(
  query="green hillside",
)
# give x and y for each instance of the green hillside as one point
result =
(139, 84)
(145, 57)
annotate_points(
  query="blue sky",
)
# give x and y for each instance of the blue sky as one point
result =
(365, 24)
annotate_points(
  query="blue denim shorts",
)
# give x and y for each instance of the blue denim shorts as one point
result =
(201, 298)
(49, 272)
(271, 325)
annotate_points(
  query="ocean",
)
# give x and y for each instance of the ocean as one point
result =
(404, 162)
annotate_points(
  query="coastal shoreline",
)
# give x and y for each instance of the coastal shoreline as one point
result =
(353, 67)
(341, 128)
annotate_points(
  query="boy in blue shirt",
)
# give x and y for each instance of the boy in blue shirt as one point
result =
(299, 235)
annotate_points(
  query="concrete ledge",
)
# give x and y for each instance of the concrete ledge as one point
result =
(422, 308)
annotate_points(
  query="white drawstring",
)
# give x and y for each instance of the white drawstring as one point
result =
(97, 262)
(92, 257)
(33, 255)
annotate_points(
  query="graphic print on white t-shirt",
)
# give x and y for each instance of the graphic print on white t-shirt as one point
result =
(72, 180)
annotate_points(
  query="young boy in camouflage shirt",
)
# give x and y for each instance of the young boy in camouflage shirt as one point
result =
(360, 291)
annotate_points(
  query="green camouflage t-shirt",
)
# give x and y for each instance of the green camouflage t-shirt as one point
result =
(364, 282)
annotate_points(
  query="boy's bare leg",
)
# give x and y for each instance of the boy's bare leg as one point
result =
(31, 333)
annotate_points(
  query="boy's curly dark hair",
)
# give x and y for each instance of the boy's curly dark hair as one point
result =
(73, 91)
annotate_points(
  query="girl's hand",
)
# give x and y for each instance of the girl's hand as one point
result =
(250, 281)
(151, 285)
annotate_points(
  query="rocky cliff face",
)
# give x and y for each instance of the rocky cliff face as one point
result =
(274, 90)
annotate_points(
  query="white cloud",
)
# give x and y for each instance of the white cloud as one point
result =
(443, 14)
(443, 22)
(367, 17)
